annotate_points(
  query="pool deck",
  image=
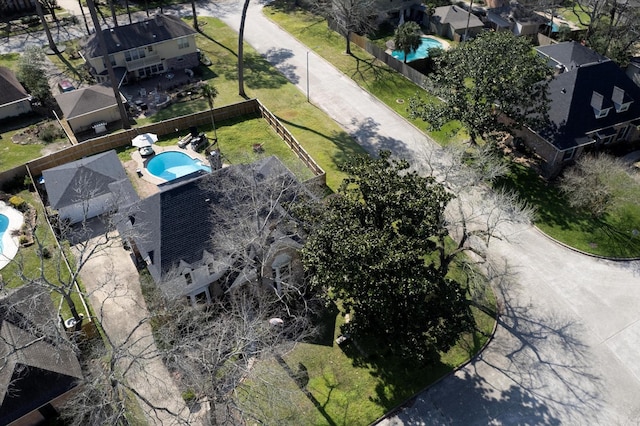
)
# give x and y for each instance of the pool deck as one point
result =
(10, 244)
(145, 183)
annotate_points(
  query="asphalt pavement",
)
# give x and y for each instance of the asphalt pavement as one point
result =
(565, 350)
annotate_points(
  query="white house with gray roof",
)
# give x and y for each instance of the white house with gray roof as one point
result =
(158, 45)
(88, 187)
(14, 99)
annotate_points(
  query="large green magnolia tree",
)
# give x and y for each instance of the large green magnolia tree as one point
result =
(379, 249)
(496, 75)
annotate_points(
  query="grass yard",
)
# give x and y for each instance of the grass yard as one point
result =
(28, 259)
(324, 383)
(611, 236)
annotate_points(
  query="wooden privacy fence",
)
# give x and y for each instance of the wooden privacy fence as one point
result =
(183, 123)
(414, 75)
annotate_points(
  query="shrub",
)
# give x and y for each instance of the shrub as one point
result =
(17, 202)
(46, 253)
(50, 132)
(189, 396)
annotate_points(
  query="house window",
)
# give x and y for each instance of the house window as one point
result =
(188, 278)
(150, 48)
(601, 113)
(568, 155)
(135, 54)
(623, 107)
(210, 268)
(183, 43)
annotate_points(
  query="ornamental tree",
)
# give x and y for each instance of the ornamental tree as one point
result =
(407, 38)
(376, 249)
(495, 82)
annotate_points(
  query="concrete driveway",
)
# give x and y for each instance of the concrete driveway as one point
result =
(112, 284)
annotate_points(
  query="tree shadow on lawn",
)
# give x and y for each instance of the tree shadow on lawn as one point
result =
(347, 147)
(617, 242)
(552, 208)
(364, 66)
(258, 73)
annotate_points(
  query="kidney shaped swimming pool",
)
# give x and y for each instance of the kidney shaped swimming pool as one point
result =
(173, 164)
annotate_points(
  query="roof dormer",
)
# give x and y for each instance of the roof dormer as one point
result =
(621, 100)
(600, 108)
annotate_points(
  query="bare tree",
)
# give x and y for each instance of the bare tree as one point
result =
(597, 184)
(349, 16)
(212, 349)
(476, 213)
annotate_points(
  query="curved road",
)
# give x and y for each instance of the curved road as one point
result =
(565, 350)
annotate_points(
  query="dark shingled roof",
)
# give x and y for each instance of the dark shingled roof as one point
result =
(159, 28)
(571, 95)
(570, 55)
(177, 223)
(83, 101)
(64, 182)
(35, 373)
(10, 88)
(456, 17)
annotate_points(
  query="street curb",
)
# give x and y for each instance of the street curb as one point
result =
(407, 402)
(596, 256)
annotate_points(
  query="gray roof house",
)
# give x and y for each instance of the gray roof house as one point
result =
(593, 105)
(451, 22)
(175, 231)
(141, 49)
(515, 18)
(88, 187)
(84, 108)
(38, 369)
(14, 99)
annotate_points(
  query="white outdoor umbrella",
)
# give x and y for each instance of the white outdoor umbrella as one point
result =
(145, 139)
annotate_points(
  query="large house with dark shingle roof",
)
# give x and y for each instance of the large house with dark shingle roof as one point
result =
(593, 106)
(89, 187)
(39, 367)
(161, 44)
(177, 231)
(84, 108)
(14, 99)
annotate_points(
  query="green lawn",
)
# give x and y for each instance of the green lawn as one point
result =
(29, 261)
(343, 387)
(612, 235)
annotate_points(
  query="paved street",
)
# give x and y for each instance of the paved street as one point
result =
(565, 351)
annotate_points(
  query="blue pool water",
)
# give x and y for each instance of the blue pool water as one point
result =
(421, 52)
(4, 224)
(173, 164)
